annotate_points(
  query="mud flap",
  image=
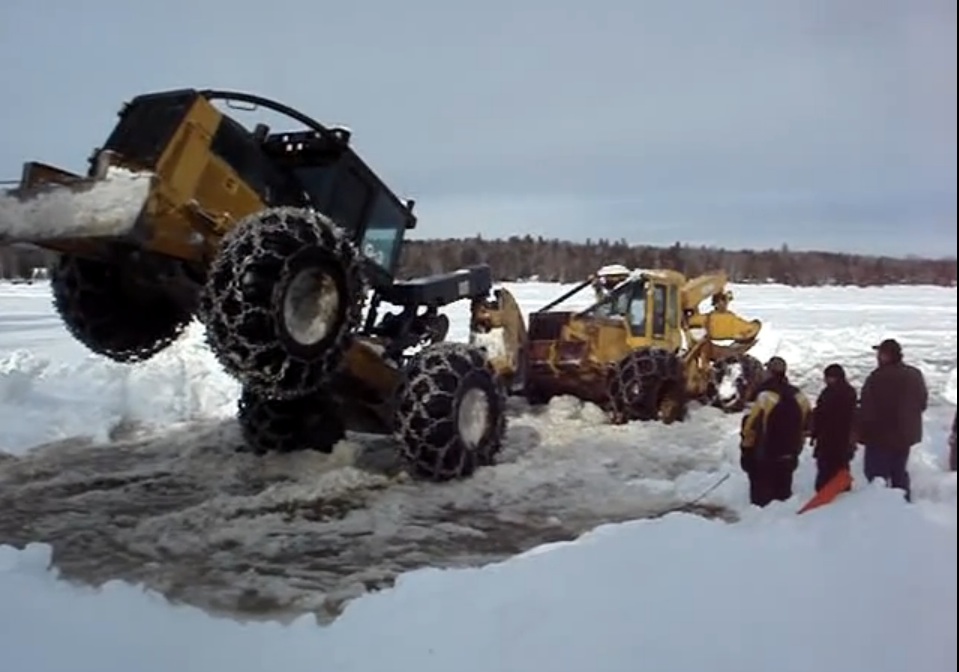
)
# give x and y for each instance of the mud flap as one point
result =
(837, 485)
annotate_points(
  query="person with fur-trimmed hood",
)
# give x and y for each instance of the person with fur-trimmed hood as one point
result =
(833, 425)
(772, 436)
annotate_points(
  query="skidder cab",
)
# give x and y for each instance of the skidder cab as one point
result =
(285, 245)
(641, 350)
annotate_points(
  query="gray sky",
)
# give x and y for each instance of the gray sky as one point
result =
(827, 124)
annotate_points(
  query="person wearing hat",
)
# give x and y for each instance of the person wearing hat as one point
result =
(833, 421)
(891, 405)
(772, 436)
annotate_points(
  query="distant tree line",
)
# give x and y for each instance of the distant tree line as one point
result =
(561, 261)
(528, 257)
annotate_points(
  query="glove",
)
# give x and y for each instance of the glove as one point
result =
(745, 461)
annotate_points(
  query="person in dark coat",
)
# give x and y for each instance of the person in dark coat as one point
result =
(832, 425)
(772, 436)
(891, 405)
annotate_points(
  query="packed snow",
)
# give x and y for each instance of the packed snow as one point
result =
(109, 208)
(866, 583)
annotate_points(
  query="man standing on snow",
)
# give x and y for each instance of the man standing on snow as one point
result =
(892, 402)
(832, 425)
(772, 436)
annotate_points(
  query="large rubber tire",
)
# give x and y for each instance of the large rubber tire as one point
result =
(102, 310)
(270, 266)
(748, 378)
(647, 384)
(443, 383)
(311, 422)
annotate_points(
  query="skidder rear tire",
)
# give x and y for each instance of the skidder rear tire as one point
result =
(269, 425)
(451, 412)
(102, 310)
(648, 384)
(281, 301)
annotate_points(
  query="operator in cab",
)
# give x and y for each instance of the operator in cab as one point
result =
(772, 436)
(607, 278)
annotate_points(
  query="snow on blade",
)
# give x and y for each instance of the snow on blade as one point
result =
(109, 208)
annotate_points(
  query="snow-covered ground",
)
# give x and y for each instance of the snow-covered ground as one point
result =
(868, 583)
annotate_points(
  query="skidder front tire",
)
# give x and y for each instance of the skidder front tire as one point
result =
(648, 384)
(104, 311)
(269, 425)
(451, 412)
(281, 301)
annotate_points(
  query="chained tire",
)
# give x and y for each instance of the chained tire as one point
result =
(106, 313)
(451, 412)
(281, 301)
(748, 375)
(647, 384)
(310, 422)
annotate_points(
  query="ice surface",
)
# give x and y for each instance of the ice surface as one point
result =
(642, 592)
(865, 585)
(109, 208)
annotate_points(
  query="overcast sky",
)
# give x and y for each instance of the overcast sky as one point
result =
(827, 124)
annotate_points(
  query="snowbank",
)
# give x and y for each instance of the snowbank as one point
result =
(867, 584)
(43, 399)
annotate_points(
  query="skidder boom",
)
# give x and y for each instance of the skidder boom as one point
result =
(285, 245)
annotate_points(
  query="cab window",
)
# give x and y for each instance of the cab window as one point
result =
(350, 196)
(637, 309)
(659, 310)
(672, 308)
(384, 232)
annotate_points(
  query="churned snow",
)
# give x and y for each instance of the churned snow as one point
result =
(867, 583)
(109, 208)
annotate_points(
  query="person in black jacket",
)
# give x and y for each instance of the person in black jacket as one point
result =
(891, 405)
(833, 421)
(772, 436)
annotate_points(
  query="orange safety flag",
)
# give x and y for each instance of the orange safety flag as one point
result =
(837, 485)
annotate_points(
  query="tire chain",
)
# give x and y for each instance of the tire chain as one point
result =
(237, 304)
(89, 296)
(286, 425)
(426, 422)
(648, 368)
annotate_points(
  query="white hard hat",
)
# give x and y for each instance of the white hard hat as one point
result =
(613, 269)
